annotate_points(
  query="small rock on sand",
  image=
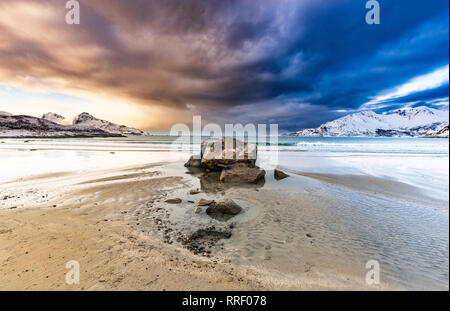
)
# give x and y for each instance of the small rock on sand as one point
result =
(279, 175)
(227, 206)
(194, 192)
(204, 202)
(174, 201)
(198, 210)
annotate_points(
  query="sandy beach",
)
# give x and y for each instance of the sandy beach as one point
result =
(101, 226)
(104, 206)
(36, 243)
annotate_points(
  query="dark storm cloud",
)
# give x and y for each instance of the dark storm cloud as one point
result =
(290, 62)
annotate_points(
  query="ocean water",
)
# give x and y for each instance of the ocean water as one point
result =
(368, 198)
(417, 161)
(284, 144)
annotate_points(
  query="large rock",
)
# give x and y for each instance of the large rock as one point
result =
(227, 160)
(217, 153)
(240, 173)
(227, 207)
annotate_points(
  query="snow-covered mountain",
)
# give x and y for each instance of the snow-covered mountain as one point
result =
(28, 126)
(54, 117)
(442, 133)
(85, 120)
(401, 122)
(3, 113)
(49, 125)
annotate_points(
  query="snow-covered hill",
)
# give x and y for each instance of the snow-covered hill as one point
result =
(442, 133)
(3, 113)
(54, 117)
(402, 122)
(28, 126)
(50, 125)
(85, 120)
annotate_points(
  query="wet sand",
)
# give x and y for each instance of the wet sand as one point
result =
(373, 185)
(106, 221)
(92, 226)
(37, 243)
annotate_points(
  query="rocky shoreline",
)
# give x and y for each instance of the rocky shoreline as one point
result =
(210, 206)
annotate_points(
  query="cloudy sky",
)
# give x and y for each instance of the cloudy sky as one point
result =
(152, 63)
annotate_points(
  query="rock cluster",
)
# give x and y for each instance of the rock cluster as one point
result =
(233, 159)
(201, 241)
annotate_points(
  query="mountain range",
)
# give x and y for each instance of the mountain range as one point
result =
(52, 125)
(413, 122)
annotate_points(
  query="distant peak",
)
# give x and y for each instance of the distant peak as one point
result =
(367, 113)
(86, 120)
(84, 114)
(48, 114)
(405, 111)
(5, 114)
(53, 117)
(82, 117)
